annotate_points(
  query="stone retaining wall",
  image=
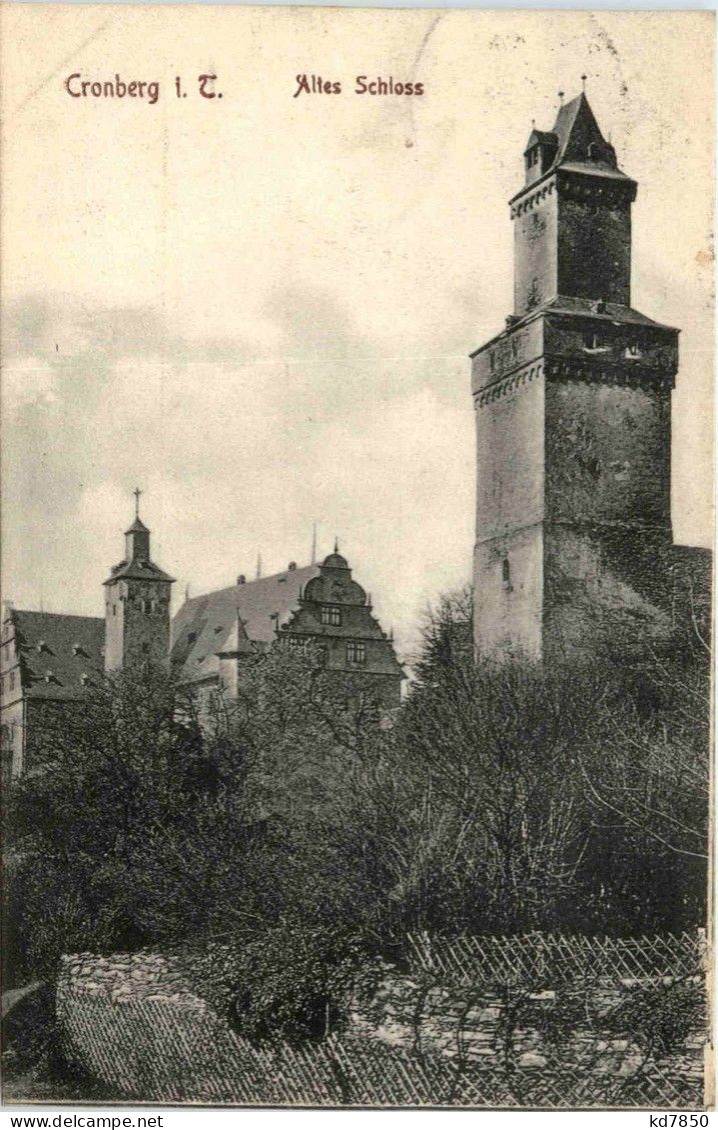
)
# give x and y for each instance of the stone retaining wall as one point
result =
(122, 978)
(569, 1027)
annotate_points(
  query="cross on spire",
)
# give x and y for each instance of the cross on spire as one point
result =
(583, 82)
(137, 492)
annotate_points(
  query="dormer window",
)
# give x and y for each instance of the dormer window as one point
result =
(633, 349)
(84, 678)
(332, 615)
(41, 646)
(49, 676)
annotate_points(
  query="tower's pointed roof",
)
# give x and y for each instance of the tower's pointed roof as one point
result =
(575, 144)
(576, 129)
(137, 527)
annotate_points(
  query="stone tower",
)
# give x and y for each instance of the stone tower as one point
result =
(573, 425)
(137, 605)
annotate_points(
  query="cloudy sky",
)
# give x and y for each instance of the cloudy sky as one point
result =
(259, 308)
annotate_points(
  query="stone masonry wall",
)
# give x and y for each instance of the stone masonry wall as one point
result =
(489, 1026)
(124, 978)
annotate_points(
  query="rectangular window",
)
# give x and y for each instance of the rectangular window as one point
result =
(356, 652)
(331, 615)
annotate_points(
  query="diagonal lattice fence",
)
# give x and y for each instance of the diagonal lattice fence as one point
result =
(542, 958)
(160, 1052)
(171, 1051)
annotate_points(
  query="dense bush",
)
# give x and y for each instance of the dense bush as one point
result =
(293, 983)
(504, 799)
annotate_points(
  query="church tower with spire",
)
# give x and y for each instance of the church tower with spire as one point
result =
(137, 604)
(572, 403)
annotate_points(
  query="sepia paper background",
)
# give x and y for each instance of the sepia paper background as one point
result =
(259, 308)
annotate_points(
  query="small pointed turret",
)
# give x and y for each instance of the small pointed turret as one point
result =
(137, 542)
(137, 538)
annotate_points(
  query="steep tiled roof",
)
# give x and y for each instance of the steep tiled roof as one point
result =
(576, 127)
(207, 624)
(56, 651)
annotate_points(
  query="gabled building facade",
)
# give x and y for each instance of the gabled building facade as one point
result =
(215, 635)
(573, 420)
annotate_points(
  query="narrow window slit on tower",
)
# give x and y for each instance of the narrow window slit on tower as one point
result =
(506, 574)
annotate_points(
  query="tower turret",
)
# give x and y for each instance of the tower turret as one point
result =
(137, 604)
(572, 218)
